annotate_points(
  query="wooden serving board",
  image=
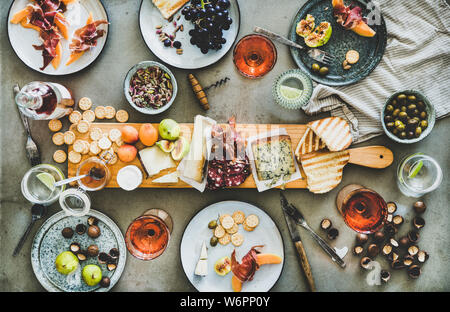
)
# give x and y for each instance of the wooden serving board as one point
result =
(246, 130)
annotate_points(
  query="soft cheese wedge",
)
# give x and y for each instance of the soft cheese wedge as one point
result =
(155, 160)
(169, 7)
(168, 178)
(201, 268)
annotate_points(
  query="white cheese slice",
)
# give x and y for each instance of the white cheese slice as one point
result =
(155, 160)
(168, 178)
(203, 253)
(201, 268)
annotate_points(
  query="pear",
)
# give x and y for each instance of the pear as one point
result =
(66, 262)
(92, 274)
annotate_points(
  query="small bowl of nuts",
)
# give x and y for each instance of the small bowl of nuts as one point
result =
(150, 87)
(407, 116)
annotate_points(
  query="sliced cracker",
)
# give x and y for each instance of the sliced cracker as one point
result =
(96, 134)
(55, 125)
(227, 222)
(75, 117)
(252, 221)
(74, 157)
(237, 239)
(89, 115)
(100, 112)
(83, 126)
(85, 103)
(238, 217)
(233, 229)
(225, 240)
(110, 112)
(58, 138)
(69, 137)
(219, 231)
(115, 134)
(122, 115)
(59, 156)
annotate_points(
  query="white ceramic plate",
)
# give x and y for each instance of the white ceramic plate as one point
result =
(192, 57)
(22, 39)
(197, 231)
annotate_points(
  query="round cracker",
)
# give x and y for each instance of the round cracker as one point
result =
(110, 112)
(89, 115)
(55, 125)
(75, 117)
(219, 231)
(59, 156)
(85, 103)
(247, 228)
(223, 216)
(119, 142)
(96, 134)
(225, 240)
(252, 221)
(227, 222)
(115, 134)
(94, 149)
(238, 217)
(58, 138)
(104, 143)
(100, 112)
(233, 229)
(69, 137)
(86, 148)
(122, 115)
(237, 239)
(352, 56)
(83, 126)
(74, 157)
(78, 146)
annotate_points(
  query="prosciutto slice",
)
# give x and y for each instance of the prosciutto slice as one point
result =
(48, 47)
(348, 16)
(245, 270)
(86, 37)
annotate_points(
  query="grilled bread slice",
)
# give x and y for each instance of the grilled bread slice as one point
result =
(333, 131)
(324, 169)
(169, 7)
(273, 158)
(309, 143)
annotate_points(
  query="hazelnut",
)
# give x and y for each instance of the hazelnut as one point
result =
(413, 236)
(413, 250)
(387, 249)
(419, 206)
(92, 251)
(81, 255)
(75, 247)
(422, 256)
(114, 253)
(105, 282)
(393, 242)
(103, 258)
(325, 224)
(67, 232)
(418, 222)
(357, 250)
(362, 238)
(94, 231)
(397, 220)
(414, 271)
(404, 241)
(365, 262)
(92, 221)
(373, 250)
(80, 229)
(385, 275)
(378, 236)
(332, 233)
(391, 207)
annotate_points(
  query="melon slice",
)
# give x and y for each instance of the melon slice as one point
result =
(267, 258)
(236, 284)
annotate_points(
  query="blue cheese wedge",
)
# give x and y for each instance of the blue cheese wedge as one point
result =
(201, 268)
(273, 158)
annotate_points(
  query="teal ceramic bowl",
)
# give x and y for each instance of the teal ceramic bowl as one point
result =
(429, 108)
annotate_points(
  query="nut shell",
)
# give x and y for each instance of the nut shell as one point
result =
(373, 250)
(404, 241)
(413, 236)
(67, 232)
(105, 282)
(332, 233)
(362, 238)
(413, 250)
(378, 236)
(80, 229)
(92, 221)
(103, 258)
(419, 206)
(385, 276)
(414, 271)
(358, 250)
(418, 222)
(92, 251)
(393, 242)
(422, 256)
(387, 249)
(93, 231)
(81, 255)
(75, 247)
(391, 207)
(365, 262)
(325, 224)
(397, 220)
(408, 260)
(114, 253)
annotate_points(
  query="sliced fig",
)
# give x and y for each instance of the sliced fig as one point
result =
(305, 26)
(319, 36)
(223, 266)
(180, 149)
(165, 145)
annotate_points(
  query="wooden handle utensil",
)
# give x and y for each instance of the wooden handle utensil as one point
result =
(375, 156)
(305, 265)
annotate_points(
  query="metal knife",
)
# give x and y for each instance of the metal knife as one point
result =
(295, 235)
(297, 216)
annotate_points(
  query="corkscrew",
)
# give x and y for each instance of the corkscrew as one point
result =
(199, 91)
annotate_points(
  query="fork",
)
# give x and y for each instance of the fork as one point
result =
(300, 220)
(30, 147)
(317, 54)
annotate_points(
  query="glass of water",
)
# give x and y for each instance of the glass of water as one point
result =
(418, 174)
(38, 184)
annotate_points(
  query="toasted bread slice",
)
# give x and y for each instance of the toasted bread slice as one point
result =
(169, 7)
(333, 131)
(309, 143)
(324, 169)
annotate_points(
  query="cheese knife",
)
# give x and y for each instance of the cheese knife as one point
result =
(297, 216)
(295, 236)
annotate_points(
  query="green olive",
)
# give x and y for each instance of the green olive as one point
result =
(395, 112)
(412, 122)
(401, 97)
(401, 127)
(315, 67)
(395, 131)
(390, 125)
(402, 135)
(403, 115)
(412, 98)
(213, 241)
(403, 108)
(416, 112)
(394, 102)
(423, 124)
(398, 123)
(423, 115)
(323, 71)
(418, 132)
(389, 108)
(388, 118)
(412, 107)
(212, 224)
(420, 105)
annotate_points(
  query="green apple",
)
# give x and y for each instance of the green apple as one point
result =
(169, 129)
(66, 262)
(92, 274)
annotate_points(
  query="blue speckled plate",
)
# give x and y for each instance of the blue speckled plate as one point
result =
(370, 50)
(49, 243)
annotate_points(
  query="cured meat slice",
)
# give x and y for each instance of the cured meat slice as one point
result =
(86, 37)
(245, 270)
(51, 40)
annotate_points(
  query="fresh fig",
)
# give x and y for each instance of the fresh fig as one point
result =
(305, 26)
(180, 149)
(165, 145)
(319, 36)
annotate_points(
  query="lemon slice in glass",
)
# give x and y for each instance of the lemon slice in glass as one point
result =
(415, 169)
(47, 179)
(289, 92)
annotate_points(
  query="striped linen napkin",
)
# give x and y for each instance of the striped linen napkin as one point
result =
(417, 57)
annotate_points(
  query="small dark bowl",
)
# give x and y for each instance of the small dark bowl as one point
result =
(429, 108)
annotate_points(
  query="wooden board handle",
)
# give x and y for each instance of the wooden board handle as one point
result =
(375, 156)
(305, 265)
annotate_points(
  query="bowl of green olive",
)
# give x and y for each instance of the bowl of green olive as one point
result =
(408, 116)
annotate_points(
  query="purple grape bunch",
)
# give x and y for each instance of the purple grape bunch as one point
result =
(210, 18)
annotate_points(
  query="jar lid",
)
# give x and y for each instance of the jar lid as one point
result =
(75, 202)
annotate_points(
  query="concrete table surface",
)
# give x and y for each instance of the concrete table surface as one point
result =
(251, 102)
